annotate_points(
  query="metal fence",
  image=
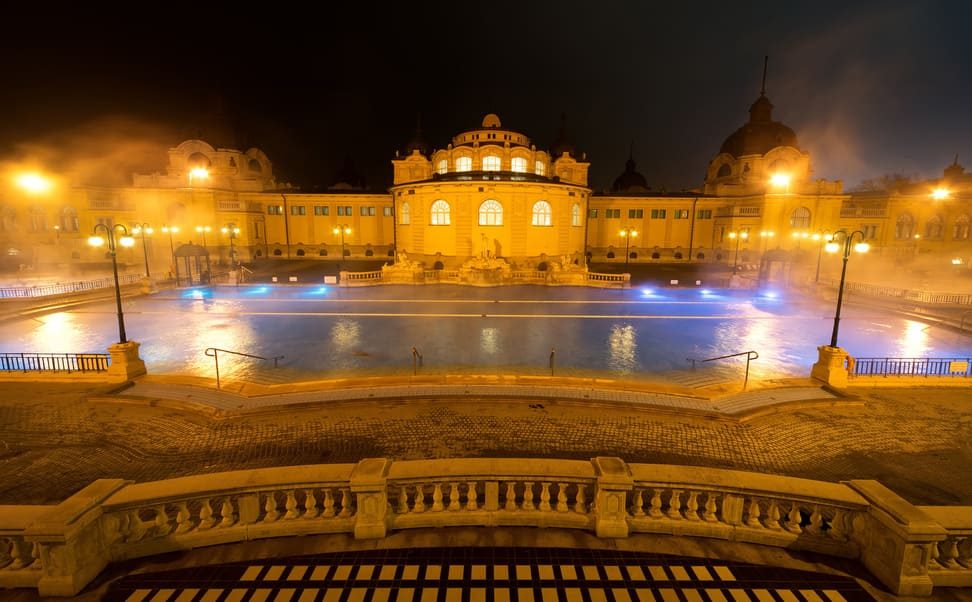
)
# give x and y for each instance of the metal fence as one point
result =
(912, 366)
(62, 288)
(928, 297)
(54, 362)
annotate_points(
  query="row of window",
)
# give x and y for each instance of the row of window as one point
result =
(322, 210)
(490, 214)
(655, 213)
(906, 228)
(490, 163)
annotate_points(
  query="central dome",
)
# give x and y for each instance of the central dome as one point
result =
(761, 134)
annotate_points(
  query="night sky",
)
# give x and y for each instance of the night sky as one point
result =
(870, 87)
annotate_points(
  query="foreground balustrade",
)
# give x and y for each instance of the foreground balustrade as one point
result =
(59, 549)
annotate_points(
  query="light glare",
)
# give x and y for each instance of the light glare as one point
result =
(33, 183)
(831, 247)
(127, 241)
(96, 241)
(780, 180)
(940, 194)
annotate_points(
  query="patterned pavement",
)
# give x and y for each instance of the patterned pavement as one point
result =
(481, 574)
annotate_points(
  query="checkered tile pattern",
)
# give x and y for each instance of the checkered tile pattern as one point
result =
(486, 574)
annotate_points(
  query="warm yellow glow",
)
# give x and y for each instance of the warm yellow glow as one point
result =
(336, 230)
(96, 241)
(732, 235)
(831, 247)
(744, 235)
(940, 194)
(804, 235)
(173, 229)
(631, 233)
(33, 183)
(767, 234)
(203, 228)
(914, 340)
(198, 173)
(862, 247)
(828, 236)
(917, 236)
(127, 241)
(780, 180)
(139, 230)
(816, 236)
(957, 261)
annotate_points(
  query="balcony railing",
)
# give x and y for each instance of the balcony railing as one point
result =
(54, 362)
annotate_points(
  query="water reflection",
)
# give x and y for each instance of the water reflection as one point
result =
(61, 332)
(623, 349)
(489, 341)
(346, 335)
(914, 340)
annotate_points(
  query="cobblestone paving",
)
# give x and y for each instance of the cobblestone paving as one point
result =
(53, 442)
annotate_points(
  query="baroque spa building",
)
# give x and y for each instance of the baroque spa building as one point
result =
(490, 192)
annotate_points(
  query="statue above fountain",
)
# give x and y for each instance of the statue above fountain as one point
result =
(403, 270)
(486, 268)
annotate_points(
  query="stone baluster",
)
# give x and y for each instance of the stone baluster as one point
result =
(753, 514)
(136, 530)
(675, 505)
(226, 517)
(471, 496)
(545, 497)
(403, 500)
(291, 506)
(36, 563)
(310, 504)
(816, 522)
(206, 515)
(510, 496)
(837, 528)
(562, 497)
(345, 503)
(580, 500)
(773, 516)
(638, 503)
(454, 504)
(964, 545)
(5, 546)
(949, 553)
(692, 506)
(933, 555)
(437, 498)
(270, 508)
(328, 503)
(419, 505)
(528, 496)
(654, 506)
(793, 519)
(183, 520)
(19, 556)
(710, 507)
(161, 521)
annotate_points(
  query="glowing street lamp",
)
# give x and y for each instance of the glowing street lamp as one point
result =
(841, 236)
(627, 234)
(342, 230)
(126, 241)
(170, 230)
(143, 230)
(232, 230)
(764, 236)
(821, 237)
(737, 236)
(33, 182)
(940, 194)
(198, 173)
(780, 180)
(203, 230)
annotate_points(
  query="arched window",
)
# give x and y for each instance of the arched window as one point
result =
(724, 170)
(442, 166)
(575, 215)
(541, 214)
(800, 218)
(69, 220)
(539, 168)
(960, 230)
(8, 218)
(490, 213)
(199, 160)
(38, 219)
(491, 163)
(441, 213)
(405, 214)
(518, 164)
(464, 164)
(935, 228)
(904, 228)
(254, 165)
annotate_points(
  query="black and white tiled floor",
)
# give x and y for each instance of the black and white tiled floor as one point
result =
(486, 575)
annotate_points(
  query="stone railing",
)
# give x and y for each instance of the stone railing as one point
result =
(577, 278)
(931, 298)
(66, 288)
(359, 278)
(59, 549)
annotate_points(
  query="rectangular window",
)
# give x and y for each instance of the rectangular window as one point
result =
(347, 210)
(704, 214)
(680, 214)
(636, 213)
(298, 210)
(592, 213)
(870, 231)
(322, 210)
(612, 213)
(340, 210)
(367, 211)
(657, 214)
(274, 209)
(364, 211)
(387, 212)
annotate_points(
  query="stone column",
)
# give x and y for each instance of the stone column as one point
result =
(831, 366)
(369, 484)
(895, 539)
(125, 362)
(610, 508)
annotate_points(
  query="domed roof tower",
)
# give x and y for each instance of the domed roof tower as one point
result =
(630, 180)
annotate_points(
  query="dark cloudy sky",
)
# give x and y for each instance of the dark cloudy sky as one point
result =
(870, 87)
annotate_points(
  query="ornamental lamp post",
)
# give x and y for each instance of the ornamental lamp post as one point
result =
(737, 236)
(170, 230)
(143, 230)
(232, 230)
(126, 241)
(203, 230)
(627, 234)
(820, 237)
(342, 230)
(841, 236)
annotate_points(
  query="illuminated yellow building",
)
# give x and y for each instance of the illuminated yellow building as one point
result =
(489, 193)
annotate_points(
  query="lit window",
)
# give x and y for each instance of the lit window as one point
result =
(612, 213)
(69, 220)
(935, 228)
(592, 214)
(387, 211)
(636, 213)
(405, 215)
(575, 215)
(440, 213)
(680, 213)
(321, 210)
(704, 214)
(491, 163)
(800, 218)
(905, 227)
(960, 229)
(541, 214)
(518, 164)
(464, 164)
(274, 209)
(870, 231)
(443, 166)
(658, 213)
(297, 210)
(539, 168)
(490, 213)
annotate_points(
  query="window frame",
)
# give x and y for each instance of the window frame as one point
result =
(491, 216)
(440, 213)
(541, 214)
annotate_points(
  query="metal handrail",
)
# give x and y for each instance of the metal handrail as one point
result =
(215, 356)
(750, 356)
(416, 360)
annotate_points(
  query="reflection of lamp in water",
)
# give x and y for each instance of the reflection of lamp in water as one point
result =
(125, 241)
(833, 247)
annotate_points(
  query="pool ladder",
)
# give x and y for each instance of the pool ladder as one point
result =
(750, 356)
(215, 355)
